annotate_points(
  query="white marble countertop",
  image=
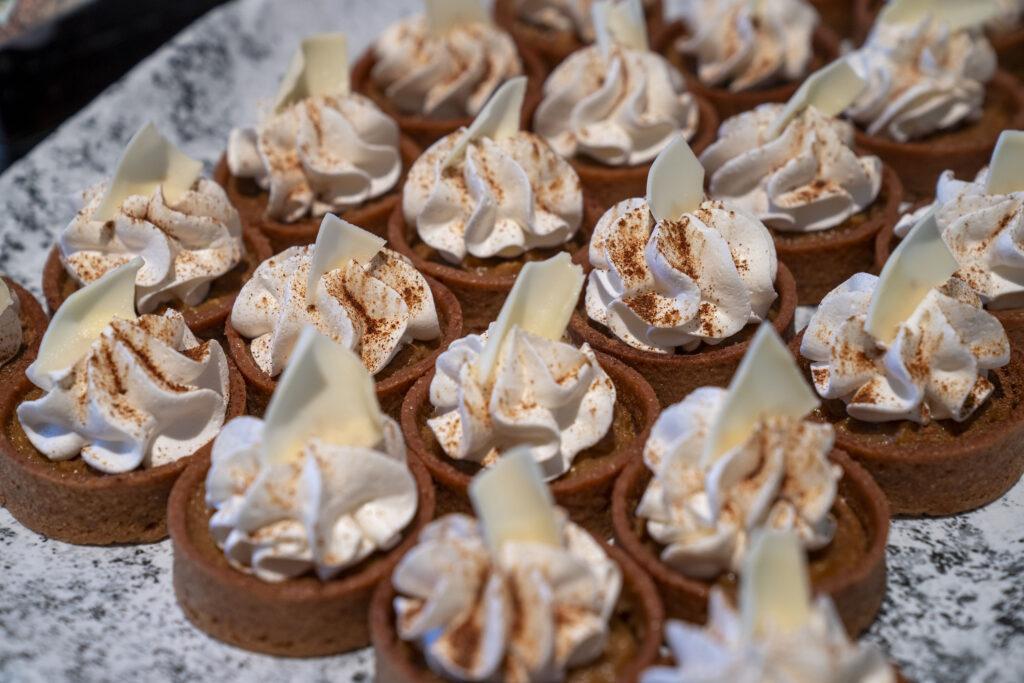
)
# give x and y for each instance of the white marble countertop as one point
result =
(955, 605)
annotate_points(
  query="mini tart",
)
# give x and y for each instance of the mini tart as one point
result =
(205, 320)
(408, 365)
(33, 326)
(964, 150)
(1012, 319)
(674, 376)
(300, 617)
(481, 285)
(944, 467)
(606, 185)
(635, 634)
(425, 131)
(71, 502)
(251, 202)
(851, 569)
(554, 46)
(823, 259)
(726, 102)
(584, 490)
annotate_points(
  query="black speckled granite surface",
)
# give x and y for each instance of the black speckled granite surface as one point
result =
(955, 606)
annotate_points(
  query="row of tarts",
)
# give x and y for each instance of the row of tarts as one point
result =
(413, 337)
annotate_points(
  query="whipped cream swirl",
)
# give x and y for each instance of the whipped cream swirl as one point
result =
(662, 285)
(447, 75)
(503, 198)
(742, 47)
(620, 109)
(922, 78)
(936, 368)
(723, 652)
(530, 615)
(184, 247)
(547, 395)
(985, 232)
(146, 394)
(806, 179)
(10, 323)
(704, 514)
(375, 310)
(325, 154)
(324, 512)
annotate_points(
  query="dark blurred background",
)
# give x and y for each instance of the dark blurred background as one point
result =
(57, 55)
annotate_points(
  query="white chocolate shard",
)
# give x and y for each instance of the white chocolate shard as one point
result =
(319, 67)
(768, 383)
(675, 183)
(512, 502)
(620, 22)
(1006, 170)
(149, 162)
(337, 243)
(499, 119)
(444, 15)
(325, 392)
(775, 592)
(956, 14)
(6, 298)
(921, 262)
(830, 90)
(541, 302)
(82, 317)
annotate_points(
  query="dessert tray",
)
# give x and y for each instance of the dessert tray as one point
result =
(954, 602)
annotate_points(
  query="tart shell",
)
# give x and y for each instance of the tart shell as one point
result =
(729, 103)
(857, 590)
(205, 320)
(426, 131)
(919, 164)
(554, 46)
(400, 662)
(674, 376)
(970, 468)
(481, 294)
(33, 326)
(70, 502)
(302, 617)
(390, 392)
(583, 494)
(251, 203)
